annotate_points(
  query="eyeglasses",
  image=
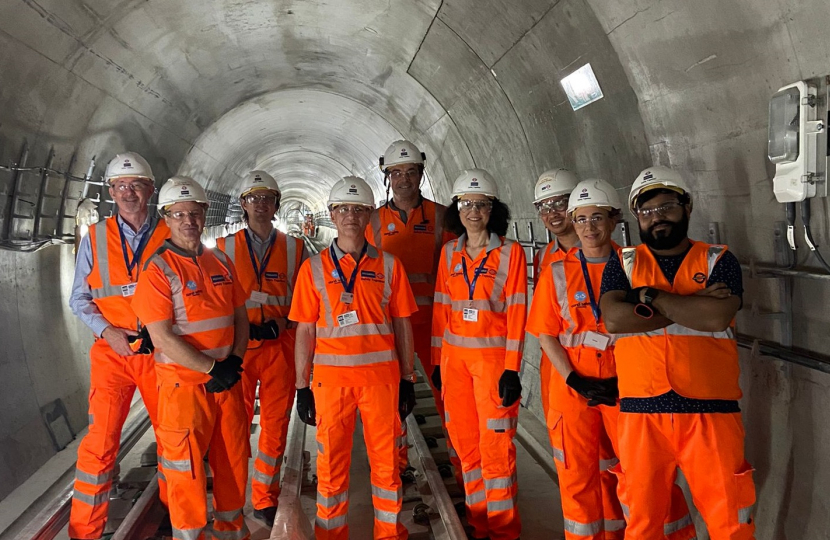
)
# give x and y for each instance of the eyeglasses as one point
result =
(411, 174)
(356, 210)
(135, 186)
(253, 199)
(182, 214)
(549, 207)
(662, 210)
(467, 205)
(583, 221)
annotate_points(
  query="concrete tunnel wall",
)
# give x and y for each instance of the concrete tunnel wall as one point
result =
(312, 91)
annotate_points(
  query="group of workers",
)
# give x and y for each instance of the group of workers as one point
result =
(639, 369)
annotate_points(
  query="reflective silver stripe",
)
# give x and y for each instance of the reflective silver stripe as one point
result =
(271, 301)
(219, 254)
(232, 535)
(446, 417)
(745, 514)
(503, 482)
(182, 465)
(331, 523)
(227, 515)
(481, 305)
(605, 464)
(436, 342)
(320, 448)
(469, 476)
(92, 500)
(499, 506)
(374, 219)
(91, 417)
(102, 255)
(176, 288)
(503, 269)
(387, 494)
(517, 345)
(678, 330)
(712, 256)
(451, 452)
(262, 478)
(265, 458)
(161, 476)
(187, 534)
(441, 298)
(354, 359)
(583, 529)
(558, 454)
(560, 284)
(355, 330)
(94, 479)
(625, 510)
(206, 325)
(502, 423)
(419, 278)
(290, 267)
(628, 256)
(475, 342)
(476, 497)
(513, 299)
(388, 268)
(674, 526)
(216, 354)
(320, 284)
(612, 525)
(328, 502)
(386, 517)
(423, 300)
(230, 246)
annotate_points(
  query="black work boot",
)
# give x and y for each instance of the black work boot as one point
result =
(266, 515)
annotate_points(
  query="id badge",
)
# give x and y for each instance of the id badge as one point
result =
(128, 290)
(347, 319)
(470, 315)
(259, 297)
(596, 340)
(346, 297)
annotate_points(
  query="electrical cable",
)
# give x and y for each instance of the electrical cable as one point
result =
(808, 235)
(791, 234)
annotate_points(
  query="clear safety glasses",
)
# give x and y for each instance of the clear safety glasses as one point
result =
(348, 209)
(181, 214)
(410, 174)
(548, 207)
(267, 199)
(466, 205)
(662, 210)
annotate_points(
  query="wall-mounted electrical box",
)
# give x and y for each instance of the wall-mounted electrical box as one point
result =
(798, 141)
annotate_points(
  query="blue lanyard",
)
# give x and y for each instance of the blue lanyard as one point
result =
(138, 252)
(471, 286)
(348, 287)
(259, 270)
(591, 297)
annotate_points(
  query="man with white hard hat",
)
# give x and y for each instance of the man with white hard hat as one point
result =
(267, 262)
(193, 304)
(551, 201)
(352, 303)
(110, 259)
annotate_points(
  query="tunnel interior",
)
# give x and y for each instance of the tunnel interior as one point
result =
(311, 91)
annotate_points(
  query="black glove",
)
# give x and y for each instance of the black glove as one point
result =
(406, 398)
(436, 378)
(596, 391)
(146, 345)
(266, 330)
(510, 387)
(305, 406)
(224, 374)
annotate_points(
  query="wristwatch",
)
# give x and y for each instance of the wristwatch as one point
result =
(644, 308)
(650, 295)
(410, 377)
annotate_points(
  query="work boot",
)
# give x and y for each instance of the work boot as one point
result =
(266, 515)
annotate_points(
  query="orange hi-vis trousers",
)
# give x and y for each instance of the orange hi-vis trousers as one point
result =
(113, 381)
(482, 433)
(708, 448)
(191, 419)
(272, 364)
(336, 416)
(584, 442)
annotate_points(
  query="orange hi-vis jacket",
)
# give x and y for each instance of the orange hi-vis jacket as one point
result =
(561, 308)
(363, 353)
(695, 364)
(417, 243)
(111, 284)
(198, 295)
(283, 260)
(500, 296)
(545, 256)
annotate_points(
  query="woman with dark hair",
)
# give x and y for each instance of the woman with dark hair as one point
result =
(478, 329)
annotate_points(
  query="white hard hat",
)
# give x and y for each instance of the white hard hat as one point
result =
(475, 181)
(656, 177)
(351, 190)
(181, 189)
(554, 182)
(594, 192)
(128, 164)
(259, 180)
(399, 153)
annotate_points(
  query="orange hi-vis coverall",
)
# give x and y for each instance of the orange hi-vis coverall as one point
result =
(113, 378)
(477, 332)
(545, 256)
(707, 447)
(269, 284)
(356, 368)
(584, 438)
(198, 295)
(417, 243)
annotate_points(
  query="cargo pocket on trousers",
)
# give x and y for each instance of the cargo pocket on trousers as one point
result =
(555, 426)
(617, 471)
(745, 493)
(176, 452)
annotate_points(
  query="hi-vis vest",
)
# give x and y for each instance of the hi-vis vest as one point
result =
(418, 246)
(109, 282)
(545, 257)
(695, 364)
(278, 279)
